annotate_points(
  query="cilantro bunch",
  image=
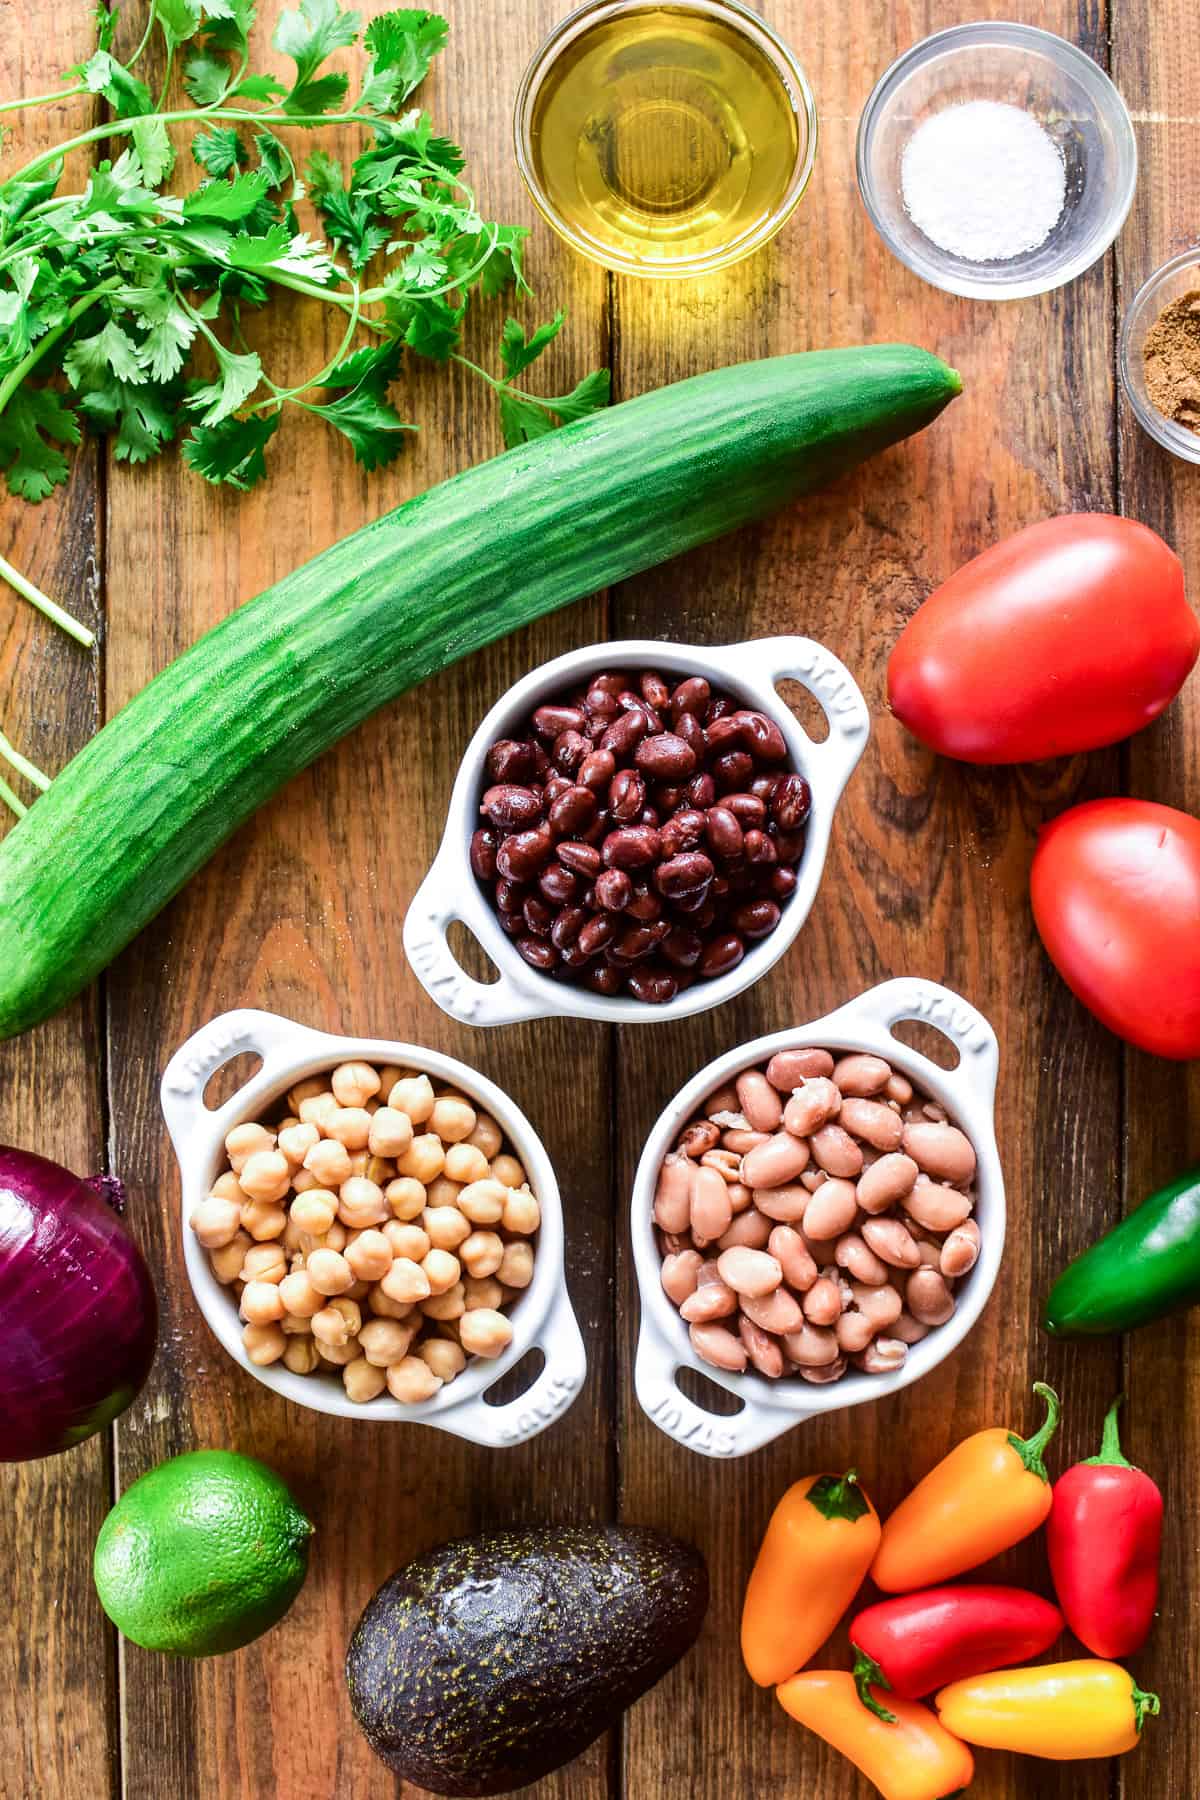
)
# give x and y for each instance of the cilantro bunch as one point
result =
(107, 296)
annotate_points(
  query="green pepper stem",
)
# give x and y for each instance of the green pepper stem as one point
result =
(1110, 1444)
(1143, 1705)
(868, 1674)
(838, 1496)
(1030, 1449)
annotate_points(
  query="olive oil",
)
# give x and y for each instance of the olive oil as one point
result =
(666, 138)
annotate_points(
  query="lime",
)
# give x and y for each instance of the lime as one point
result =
(202, 1554)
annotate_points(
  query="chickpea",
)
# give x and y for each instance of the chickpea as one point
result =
(516, 1265)
(389, 1075)
(337, 1354)
(293, 1239)
(484, 1201)
(406, 1197)
(361, 1203)
(294, 1326)
(242, 1142)
(380, 1170)
(318, 1109)
(391, 1132)
(228, 1187)
(303, 1181)
(441, 1271)
(334, 1238)
(300, 1355)
(349, 1125)
(384, 1307)
(443, 1192)
(263, 1221)
(448, 1306)
(266, 1175)
(264, 1343)
(226, 1263)
(308, 1089)
(329, 1272)
(444, 1358)
(411, 1381)
(337, 1323)
(487, 1135)
(370, 1256)
(329, 1161)
(483, 1290)
(406, 1281)
(453, 1118)
(261, 1304)
(358, 1290)
(295, 1142)
(363, 1382)
(299, 1295)
(354, 1083)
(315, 1211)
(424, 1159)
(465, 1163)
(484, 1332)
(508, 1170)
(216, 1222)
(482, 1253)
(264, 1262)
(385, 1341)
(407, 1240)
(445, 1226)
(522, 1213)
(413, 1094)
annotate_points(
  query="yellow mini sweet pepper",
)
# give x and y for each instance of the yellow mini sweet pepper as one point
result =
(1062, 1711)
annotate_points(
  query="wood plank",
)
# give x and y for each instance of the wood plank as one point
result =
(302, 913)
(1163, 1099)
(927, 872)
(57, 1651)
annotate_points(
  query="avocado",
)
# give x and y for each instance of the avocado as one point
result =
(490, 1661)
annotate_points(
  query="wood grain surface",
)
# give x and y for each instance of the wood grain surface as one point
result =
(301, 913)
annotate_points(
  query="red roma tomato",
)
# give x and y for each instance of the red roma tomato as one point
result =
(1072, 634)
(1116, 896)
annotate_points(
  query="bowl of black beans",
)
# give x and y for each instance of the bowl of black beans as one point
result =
(637, 830)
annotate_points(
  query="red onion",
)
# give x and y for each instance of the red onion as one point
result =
(80, 1317)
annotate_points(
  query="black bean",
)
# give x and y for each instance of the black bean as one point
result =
(614, 890)
(654, 987)
(571, 813)
(483, 853)
(626, 796)
(665, 757)
(510, 807)
(755, 919)
(791, 802)
(691, 696)
(551, 721)
(632, 847)
(721, 954)
(583, 858)
(537, 953)
(510, 760)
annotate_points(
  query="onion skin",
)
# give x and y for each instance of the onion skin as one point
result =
(80, 1316)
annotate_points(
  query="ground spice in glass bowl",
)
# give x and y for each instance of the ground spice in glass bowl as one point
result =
(1159, 356)
(1171, 355)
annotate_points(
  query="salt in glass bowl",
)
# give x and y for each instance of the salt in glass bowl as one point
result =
(1176, 278)
(1065, 91)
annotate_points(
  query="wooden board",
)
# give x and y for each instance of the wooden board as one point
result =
(301, 913)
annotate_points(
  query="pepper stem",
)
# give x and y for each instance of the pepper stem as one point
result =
(838, 1496)
(868, 1674)
(1110, 1444)
(1030, 1449)
(1143, 1705)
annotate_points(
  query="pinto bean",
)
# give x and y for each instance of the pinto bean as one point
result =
(777, 1312)
(885, 1182)
(750, 1230)
(743, 1142)
(883, 1357)
(853, 1255)
(726, 1162)
(831, 1210)
(960, 1252)
(831, 1372)
(786, 1205)
(673, 1196)
(711, 1212)
(899, 1089)
(836, 1152)
(937, 1208)
(861, 1075)
(718, 1346)
(764, 1352)
(788, 1068)
(698, 1138)
(740, 1197)
(873, 1122)
(750, 1273)
(812, 1179)
(813, 1104)
(711, 1300)
(823, 1301)
(780, 1159)
(943, 1151)
(909, 1330)
(680, 1275)
(793, 1256)
(882, 1305)
(928, 1298)
(810, 1347)
(889, 1239)
(724, 1100)
(760, 1103)
(854, 1331)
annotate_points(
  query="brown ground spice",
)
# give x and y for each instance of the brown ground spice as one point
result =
(1172, 357)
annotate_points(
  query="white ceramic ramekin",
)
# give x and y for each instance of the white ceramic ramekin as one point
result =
(968, 1094)
(542, 1318)
(750, 671)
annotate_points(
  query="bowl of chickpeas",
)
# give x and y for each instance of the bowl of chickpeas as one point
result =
(373, 1229)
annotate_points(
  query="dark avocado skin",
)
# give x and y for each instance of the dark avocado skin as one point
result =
(492, 1660)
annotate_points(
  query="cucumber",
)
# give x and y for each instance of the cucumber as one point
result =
(258, 697)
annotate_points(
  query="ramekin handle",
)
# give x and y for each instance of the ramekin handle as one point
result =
(913, 997)
(830, 683)
(709, 1434)
(244, 1031)
(435, 906)
(552, 1394)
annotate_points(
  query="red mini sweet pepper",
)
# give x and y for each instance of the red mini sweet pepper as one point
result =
(1103, 1537)
(918, 1642)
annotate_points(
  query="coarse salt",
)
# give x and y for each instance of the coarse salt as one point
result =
(983, 180)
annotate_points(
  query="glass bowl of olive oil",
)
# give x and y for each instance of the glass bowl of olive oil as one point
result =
(665, 139)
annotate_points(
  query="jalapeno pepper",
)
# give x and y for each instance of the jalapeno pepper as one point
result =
(1144, 1267)
(1103, 1537)
(1064, 1712)
(918, 1642)
(913, 1758)
(989, 1493)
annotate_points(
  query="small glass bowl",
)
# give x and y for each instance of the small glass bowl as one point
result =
(1070, 96)
(1178, 277)
(794, 82)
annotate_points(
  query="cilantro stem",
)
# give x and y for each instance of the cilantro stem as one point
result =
(10, 800)
(17, 374)
(22, 764)
(44, 604)
(43, 99)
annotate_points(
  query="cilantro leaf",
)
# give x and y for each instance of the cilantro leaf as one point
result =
(590, 395)
(517, 353)
(18, 320)
(219, 149)
(428, 323)
(16, 197)
(169, 329)
(206, 78)
(127, 96)
(309, 36)
(144, 417)
(237, 378)
(522, 419)
(320, 95)
(402, 45)
(90, 360)
(364, 414)
(234, 200)
(33, 416)
(276, 249)
(259, 87)
(154, 149)
(275, 158)
(232, 451)
(348, 217)
(180, 20)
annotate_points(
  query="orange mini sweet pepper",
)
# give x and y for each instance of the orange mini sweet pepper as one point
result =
(915, 1758)
(989, 1493)
(1064, 1711)
(817, 1549)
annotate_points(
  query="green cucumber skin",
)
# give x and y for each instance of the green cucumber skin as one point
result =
(261, 695)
